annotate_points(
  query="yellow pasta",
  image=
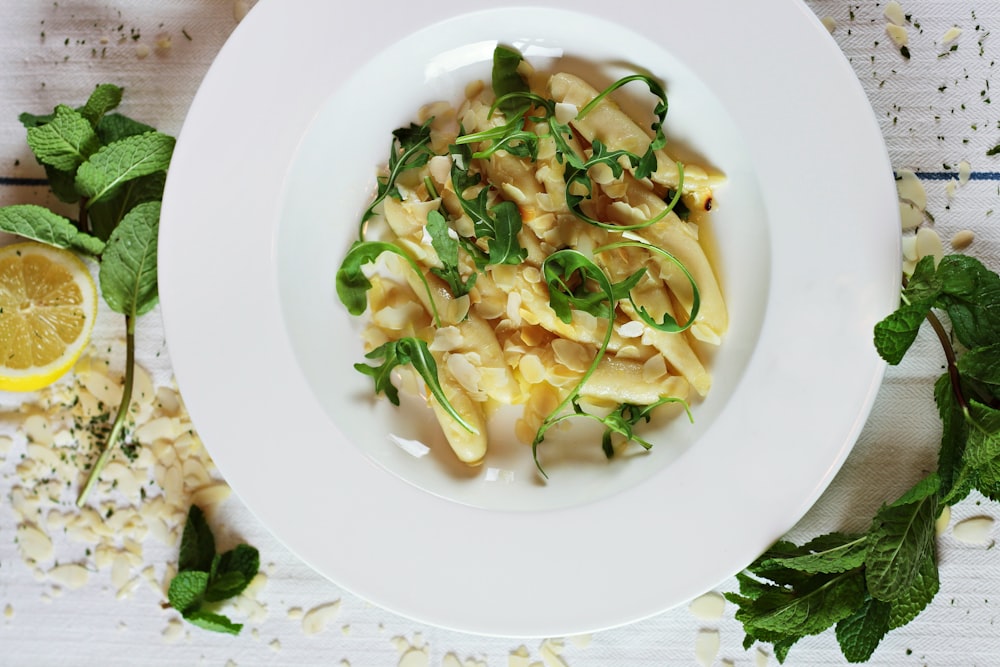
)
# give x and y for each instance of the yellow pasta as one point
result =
(482, 301)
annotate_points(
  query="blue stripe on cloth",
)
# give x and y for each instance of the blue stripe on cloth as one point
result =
(948, 175)
(11, 180)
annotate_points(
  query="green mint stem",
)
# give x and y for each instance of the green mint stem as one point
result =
(119, 424)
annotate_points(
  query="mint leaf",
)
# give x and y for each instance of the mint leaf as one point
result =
(895, 334)
(122, 161)
(187, 589)
(860, 633)
(64, 142)
(197, 548)
(955, 480)
(901, 536)
(824, 601)
(105, 97)
(40, 224)
(106, 214)
(983, 445)
(827, 554)
(915, 599)
(128, 269)
(214, 622)
(115, 126)
(243, 560)
(225, 586)
(981, 364)
(971, 297)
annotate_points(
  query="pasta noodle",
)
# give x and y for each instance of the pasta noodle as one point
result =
(489, 315)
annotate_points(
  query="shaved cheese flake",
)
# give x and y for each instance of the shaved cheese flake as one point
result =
(951, 35)
(975, 530)
(964, 172)
(898, 34)
(910, 189)
(315, 620)
(414, 448)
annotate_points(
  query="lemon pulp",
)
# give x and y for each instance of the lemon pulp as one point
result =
(48, 304)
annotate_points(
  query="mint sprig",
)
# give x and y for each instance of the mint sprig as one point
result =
(892, 568)
(205, 577)
(114, 168)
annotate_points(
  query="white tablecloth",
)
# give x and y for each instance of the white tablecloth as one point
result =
(935, 111)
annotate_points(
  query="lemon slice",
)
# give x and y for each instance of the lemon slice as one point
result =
(48, 304)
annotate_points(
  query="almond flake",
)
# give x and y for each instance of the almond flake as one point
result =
(894, 12)
(975, 530)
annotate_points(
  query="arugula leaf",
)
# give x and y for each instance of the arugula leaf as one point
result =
(128, 268)
(902, 534)
(64, 142)
(353, 285)
(40, 224)
(121, 161)
(506, 80)
(625, 417)
(414, 352)
(410, 149)
(860, 633)
(446, 248)
(498, 225)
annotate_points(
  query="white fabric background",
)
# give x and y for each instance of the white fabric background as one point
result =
(935, 110)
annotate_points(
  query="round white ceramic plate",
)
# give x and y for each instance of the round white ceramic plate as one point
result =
(276, 161)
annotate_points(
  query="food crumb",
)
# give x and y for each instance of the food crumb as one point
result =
(315, 620)
(943, 520)
(708, 607)
(974, 530)
(706, 647)
(894, 13)
(963, 239)
(8, 611)
(295, 613)
(951, 35)
(829, 23)
(275, 645)
(173, 631)
(345, 630)
(141, 51)
(762, 658)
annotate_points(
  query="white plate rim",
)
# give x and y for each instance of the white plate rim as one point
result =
(559, 572)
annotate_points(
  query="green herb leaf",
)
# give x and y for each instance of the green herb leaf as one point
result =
(955, 479)
(105, 97)
(122, 161)
(902, 534)
(414, 352)
(64, 142)
(187, 590)
(506, 80)
(114, 127)
(224, 586)
(895, 334)
(983, 445)
(860, 633)
(242, 559)
(446, 248)
(824, 601)
(499, 225)
(827, 554)
(915, 599)
(410, 149)
(107, 214)
(214, 622)
(128, 268)
(352, 284)
(40, 224)
(197, 548)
